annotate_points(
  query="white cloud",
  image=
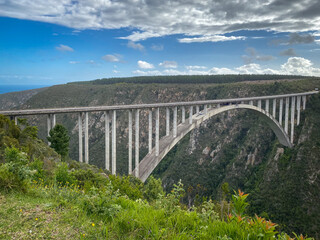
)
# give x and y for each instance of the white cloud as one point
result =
(157, 47)
(64, 48)
(145, 65)
(151, 73)
(169, 64)
(215, 70)
(74, 62)
(195, 67)
(210, 38)
(206, 19)
(115, 71)
(136, 46)
(111, 58)
(293, 66)
(300, 66)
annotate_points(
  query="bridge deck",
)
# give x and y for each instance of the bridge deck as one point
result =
(143, 106)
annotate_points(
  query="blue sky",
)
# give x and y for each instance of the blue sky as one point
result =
(52, 42)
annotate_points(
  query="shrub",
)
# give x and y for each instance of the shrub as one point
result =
(152, 189)
(14, 173)
(62, 175)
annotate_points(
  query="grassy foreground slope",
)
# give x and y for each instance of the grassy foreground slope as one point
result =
(60, 200)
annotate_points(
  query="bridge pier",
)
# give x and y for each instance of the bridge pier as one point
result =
(304, 100)
(80, 137)
(130, 141)
(280, 111)
(286, 116)
(175, 121)
(86, 138)
(183, 113)
(298, 109)
(197, 109)
(293, 100)
(150, 131)
(259, 104)
(136, 142)
(167, 121)
(274, 105)
(190, 114)
(157, 132)
(267, 106)
(107, 140)
(114, 143)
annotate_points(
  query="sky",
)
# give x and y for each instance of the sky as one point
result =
(59, 41)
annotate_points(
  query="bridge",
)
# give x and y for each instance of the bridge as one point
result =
(274, 110)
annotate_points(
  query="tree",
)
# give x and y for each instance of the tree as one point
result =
(59, 139)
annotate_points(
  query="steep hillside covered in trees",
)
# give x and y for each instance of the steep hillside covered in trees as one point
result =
(235, 148)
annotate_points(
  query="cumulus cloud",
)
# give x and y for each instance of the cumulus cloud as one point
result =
(145, 65)
(156, 18)
(169, 64)
(111, 58)
(300, 66)
(137, 46)
(210, 38)
(293, 66)
(64, 48)
(289, 52)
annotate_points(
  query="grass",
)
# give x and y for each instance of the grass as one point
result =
(25, 216)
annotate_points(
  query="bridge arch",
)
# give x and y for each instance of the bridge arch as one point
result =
(166, 143)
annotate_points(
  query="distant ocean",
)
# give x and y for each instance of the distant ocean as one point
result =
(16, 88)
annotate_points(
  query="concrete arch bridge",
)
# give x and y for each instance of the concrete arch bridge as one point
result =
(279, 111)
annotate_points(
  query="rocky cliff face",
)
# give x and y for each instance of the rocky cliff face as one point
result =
(234, 147)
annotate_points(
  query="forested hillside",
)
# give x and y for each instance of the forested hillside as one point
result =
(235, 148)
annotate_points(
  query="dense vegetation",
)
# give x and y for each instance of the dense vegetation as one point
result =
(191, 79)
(68, 200)
(284, 184)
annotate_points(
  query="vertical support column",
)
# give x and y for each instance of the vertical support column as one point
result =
(150, 131)
(48, 124)
(286, 116)
(53, 120)
(80, 137)
(167, 121)
(218, 105)
(280, 111)
(190, 114)
(274, 104)
(293, 108)
(183, 109)
(86, 139)
(250, 102)
(197, 109)
(114, 143)
(267, 105)
(107, 140)
(298, 109)
(136, 142)
(205, 109)
(157, 132)
(304, 101)
(175, 114)
(130, 142)
(259, 103)
(15, 120)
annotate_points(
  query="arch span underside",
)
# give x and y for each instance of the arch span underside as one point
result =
(166, 143)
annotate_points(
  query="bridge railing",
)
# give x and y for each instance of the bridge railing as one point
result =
(298, 101)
